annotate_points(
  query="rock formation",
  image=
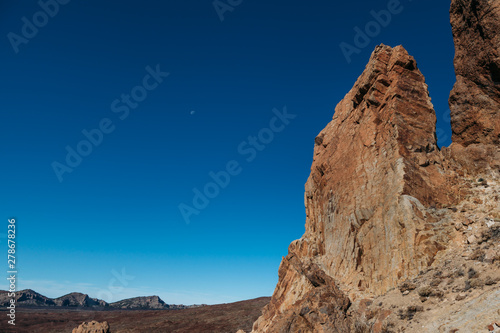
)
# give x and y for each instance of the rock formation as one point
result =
(475, 99)
(376, 168)
(382, 199)
(305, 300)
(92, 327)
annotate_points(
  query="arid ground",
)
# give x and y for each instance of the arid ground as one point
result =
(214, 319)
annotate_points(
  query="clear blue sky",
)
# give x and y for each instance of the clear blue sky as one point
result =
(119, 207)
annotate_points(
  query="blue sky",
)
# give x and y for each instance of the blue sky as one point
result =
(112, 227)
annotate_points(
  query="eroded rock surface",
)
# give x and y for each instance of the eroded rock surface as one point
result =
(385, 205)
(306, 300)
(376, 174)
(376, 170)
(475, 99)
(92, 327)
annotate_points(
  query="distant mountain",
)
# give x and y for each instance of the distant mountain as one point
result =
(148, 303)
(79, 300)
(30, 298)
(26, 297)
(144, 302)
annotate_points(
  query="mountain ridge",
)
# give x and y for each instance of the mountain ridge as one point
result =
(30, 298)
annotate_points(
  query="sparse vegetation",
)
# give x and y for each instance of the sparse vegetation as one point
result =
(410, 312)
(407, 286)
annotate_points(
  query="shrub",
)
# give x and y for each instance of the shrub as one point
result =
(437, 293)
(489, 281)
(493, 233)
(460, 272)
(387, 327)
(467, 285)
(476, 283)
(407, 285)
(472, 273)
(425, 291)
(410, 312)
(435, 282)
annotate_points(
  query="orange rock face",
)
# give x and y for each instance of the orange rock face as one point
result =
(376, 171)
(376, 168)
(475, 99)
(305, 300)
(380, 196)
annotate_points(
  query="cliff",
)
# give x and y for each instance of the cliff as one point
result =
(382, 200)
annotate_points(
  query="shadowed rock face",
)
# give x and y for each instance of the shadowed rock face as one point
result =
(475, 98)
(317, 304)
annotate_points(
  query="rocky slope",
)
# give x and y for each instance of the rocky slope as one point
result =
(385, 205)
